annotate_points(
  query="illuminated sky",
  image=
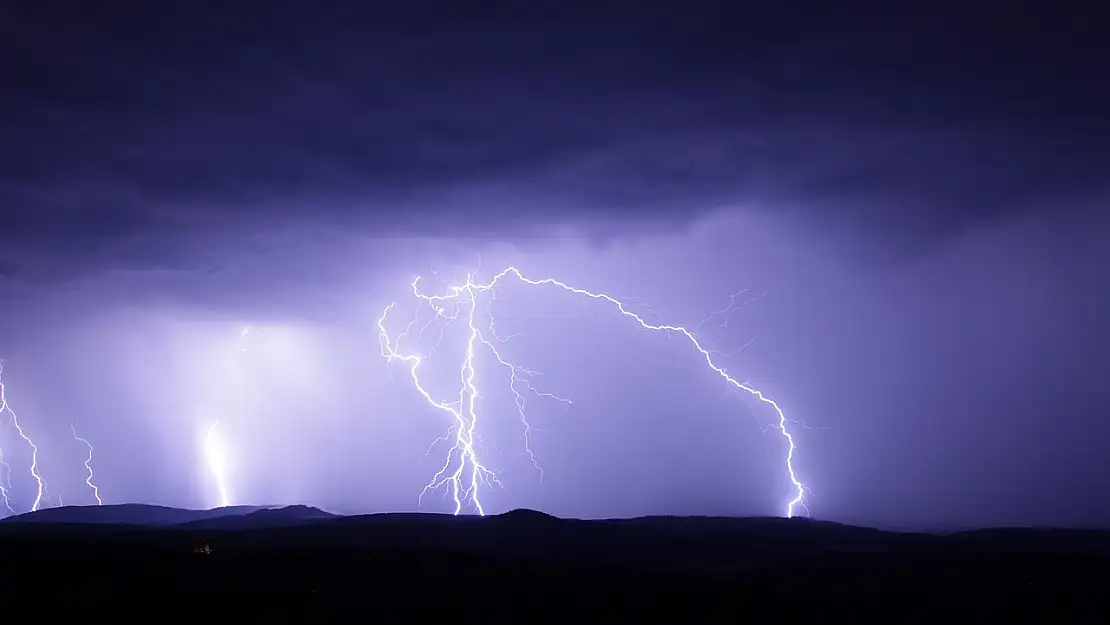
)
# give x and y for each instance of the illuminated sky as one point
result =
(923, 199)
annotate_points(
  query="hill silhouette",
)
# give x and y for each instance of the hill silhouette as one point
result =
(126, 514)
(261, 518)
(636, 566)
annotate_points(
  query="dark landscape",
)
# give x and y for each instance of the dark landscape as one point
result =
(528, 559)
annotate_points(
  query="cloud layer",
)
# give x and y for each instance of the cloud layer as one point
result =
(134, 136)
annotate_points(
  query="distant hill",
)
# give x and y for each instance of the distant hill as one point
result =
(127, 514)
(693, 541)
(261, 518)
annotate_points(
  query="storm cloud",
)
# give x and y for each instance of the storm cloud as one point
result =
(132, 132)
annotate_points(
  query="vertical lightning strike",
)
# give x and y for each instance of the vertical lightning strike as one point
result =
(463, 484)
(214, 453)
(40, 483)
(88, 467)
(463, 415)
(6, 483)
(214, 450)
(463, 410)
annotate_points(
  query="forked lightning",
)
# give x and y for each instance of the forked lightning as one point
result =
(463, 472)
(40, 484)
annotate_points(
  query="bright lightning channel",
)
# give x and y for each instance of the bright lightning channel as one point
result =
(214, 453)
(463, 473)
(6, 483)
(88, 467)
(39, 482)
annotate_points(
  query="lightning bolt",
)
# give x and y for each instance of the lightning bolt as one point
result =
(88, 467)
(214, 453)
(40, 483)
(463, 473)
(214, 450)
(6, 483)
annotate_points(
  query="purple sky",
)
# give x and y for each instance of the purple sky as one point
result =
(924, 201)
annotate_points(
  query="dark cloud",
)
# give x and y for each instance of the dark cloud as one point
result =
(132, 132)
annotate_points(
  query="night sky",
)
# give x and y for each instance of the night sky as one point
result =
(921, 197)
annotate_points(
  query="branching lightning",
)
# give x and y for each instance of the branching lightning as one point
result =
(40, 483)
(88, 467)
(463, 472)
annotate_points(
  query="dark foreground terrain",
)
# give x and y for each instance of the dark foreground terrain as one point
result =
(527, 566)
